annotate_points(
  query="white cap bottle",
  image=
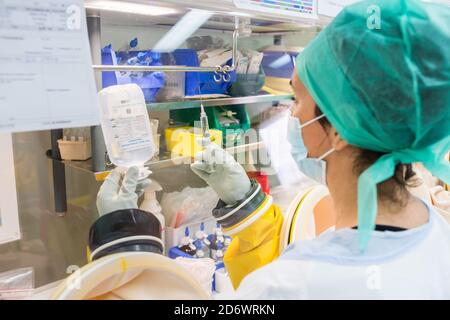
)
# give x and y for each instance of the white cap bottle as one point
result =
(202, 242)
(219, 234)
(151, 205)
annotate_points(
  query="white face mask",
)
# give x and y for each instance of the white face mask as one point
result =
(313, 168)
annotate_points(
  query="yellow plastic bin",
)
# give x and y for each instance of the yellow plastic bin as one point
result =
(182, 141)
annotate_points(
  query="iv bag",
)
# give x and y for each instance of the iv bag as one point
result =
(126, 125)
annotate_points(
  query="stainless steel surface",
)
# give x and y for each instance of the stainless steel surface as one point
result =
(49, 243)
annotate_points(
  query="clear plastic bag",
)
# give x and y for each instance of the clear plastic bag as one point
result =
(192, 205)
(201, 269)
(17, 284)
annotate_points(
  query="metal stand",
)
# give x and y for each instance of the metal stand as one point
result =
(59, 174)
(97, 140)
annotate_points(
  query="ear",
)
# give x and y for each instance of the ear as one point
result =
(336, 141)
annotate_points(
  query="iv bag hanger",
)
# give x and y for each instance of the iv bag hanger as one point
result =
(221, 72)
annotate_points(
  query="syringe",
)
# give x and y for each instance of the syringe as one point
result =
(206, 136)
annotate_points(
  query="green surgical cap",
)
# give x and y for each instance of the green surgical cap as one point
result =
(380, 72)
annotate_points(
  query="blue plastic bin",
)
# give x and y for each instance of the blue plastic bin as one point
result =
(149, 82)
(279, 64)
(200, 82)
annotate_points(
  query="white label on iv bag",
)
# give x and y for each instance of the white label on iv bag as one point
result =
(126, 125)
(131, 131)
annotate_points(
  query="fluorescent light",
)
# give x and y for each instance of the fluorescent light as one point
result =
(130, 7)
(181, 31)
(281, 61)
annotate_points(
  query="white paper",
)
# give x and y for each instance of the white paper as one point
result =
(9, 213)
(332, 8)
(46, 75)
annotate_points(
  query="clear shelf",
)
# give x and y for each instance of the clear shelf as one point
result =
(189, 104)
(164, 160)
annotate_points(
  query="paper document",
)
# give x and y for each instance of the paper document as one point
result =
(9, 214)
(46, 75)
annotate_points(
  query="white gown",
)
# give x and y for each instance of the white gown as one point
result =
(412, 264)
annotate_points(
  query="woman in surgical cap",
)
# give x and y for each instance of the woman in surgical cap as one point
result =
(372, 95)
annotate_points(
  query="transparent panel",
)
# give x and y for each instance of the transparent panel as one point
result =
(259, 92)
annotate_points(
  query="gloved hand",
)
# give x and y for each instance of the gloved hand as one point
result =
(219, 169)
(120, 191)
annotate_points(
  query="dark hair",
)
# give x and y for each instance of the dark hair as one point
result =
(393, 190)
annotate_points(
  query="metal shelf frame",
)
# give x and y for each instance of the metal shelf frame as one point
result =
(229, 101)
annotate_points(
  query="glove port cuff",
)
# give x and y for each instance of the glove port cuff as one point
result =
(124, 231)
(229, 216)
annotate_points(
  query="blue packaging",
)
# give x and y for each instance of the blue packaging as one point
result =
(200, 82)
(149, 82)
